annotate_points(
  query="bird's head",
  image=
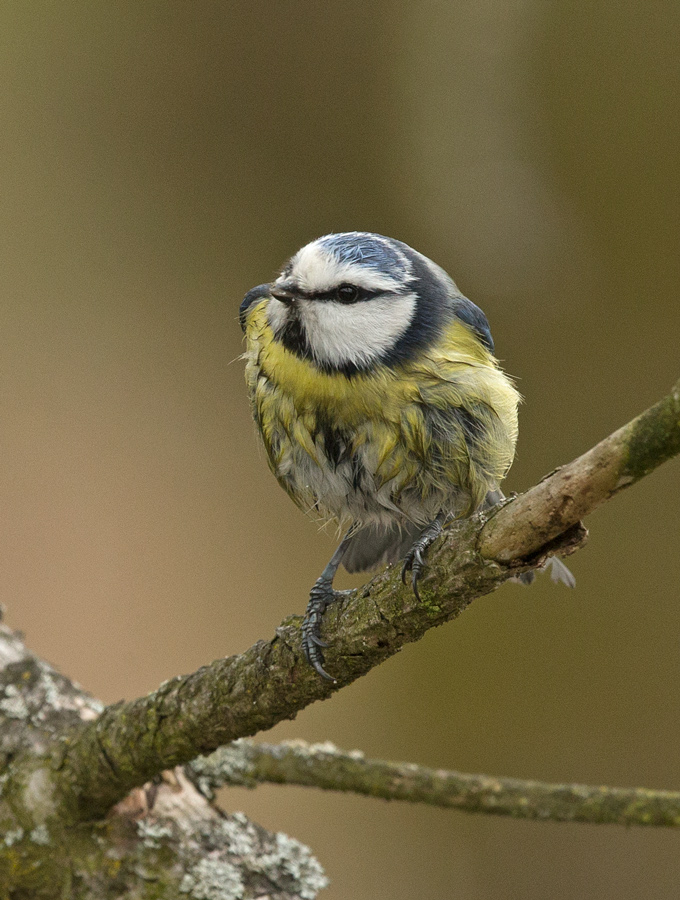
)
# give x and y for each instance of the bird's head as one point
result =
(350, 301)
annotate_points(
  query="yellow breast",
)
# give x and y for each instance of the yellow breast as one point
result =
(458, 361)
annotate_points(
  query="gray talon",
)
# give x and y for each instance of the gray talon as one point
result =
(320, 597)
(414, 562)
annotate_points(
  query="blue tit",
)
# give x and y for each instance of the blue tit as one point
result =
(379, 401)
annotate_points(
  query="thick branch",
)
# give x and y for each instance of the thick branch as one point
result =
(163, 841)
(325, 766)
(242, 695)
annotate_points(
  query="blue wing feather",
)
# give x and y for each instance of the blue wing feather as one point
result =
(472, 316)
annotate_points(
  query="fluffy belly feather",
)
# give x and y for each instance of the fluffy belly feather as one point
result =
(367, 472)
(356, 489)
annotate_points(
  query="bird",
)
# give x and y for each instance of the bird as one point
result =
(381, 406)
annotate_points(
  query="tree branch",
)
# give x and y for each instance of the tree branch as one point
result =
(239, 696)
(164, 840)
(573, 491)
(324, 766)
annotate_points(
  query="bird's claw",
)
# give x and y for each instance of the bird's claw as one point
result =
(317, 640)
(414, 561)
(320, 597)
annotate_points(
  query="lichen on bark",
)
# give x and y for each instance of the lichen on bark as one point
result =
(165, 840)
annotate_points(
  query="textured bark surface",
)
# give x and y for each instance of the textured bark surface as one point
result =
(165, 840)
(247, 763)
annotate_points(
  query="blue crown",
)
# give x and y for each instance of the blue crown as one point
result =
(370, 250)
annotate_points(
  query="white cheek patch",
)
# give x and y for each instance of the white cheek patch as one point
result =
(315, 269)
(356, 333)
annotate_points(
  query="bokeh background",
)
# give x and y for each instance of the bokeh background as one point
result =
(158, 159)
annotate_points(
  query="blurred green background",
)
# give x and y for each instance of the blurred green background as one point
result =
(158, 159)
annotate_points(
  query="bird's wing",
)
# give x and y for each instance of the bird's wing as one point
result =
(472, 316)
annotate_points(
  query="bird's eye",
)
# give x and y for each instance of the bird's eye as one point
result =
(347, 293)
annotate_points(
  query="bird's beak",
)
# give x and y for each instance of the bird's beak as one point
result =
(283, 294)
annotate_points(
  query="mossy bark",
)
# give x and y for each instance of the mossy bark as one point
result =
(165, 840)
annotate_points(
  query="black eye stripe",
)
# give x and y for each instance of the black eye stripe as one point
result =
(362, 294)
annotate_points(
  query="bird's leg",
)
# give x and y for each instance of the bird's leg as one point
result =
(321, 596)
(414, 561)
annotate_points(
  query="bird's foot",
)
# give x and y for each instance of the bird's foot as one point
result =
(414, 561)
(320, 597)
